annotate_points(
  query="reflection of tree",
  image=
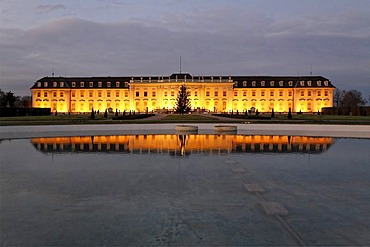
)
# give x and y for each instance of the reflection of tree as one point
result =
(182, 139)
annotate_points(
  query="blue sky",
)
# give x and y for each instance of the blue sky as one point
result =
(146, 37)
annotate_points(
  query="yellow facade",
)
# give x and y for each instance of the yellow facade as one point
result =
(214, 94)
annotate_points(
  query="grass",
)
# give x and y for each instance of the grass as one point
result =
(65, 119)
(188, 117)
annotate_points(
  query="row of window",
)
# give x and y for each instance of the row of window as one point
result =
(281, 83)
(82, 84)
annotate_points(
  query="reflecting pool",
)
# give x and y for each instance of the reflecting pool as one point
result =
(185, 190)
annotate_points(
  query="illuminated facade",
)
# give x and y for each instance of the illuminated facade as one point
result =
(183, 144)
(209, 93)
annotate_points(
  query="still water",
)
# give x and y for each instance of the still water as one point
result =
(185, 190)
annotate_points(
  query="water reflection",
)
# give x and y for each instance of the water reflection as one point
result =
(183, 145)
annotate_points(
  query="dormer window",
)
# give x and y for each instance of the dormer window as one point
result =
(117, 83)
(253, 83)
(55, 84)
(319, 83)
(73, 84)
(108, 83)
(91, 84)
(82, 84)
(262, 83)
(38, 84)
(301, 83)
(126, 84)
(61, 84)
(99, 84)
(326, 83)
(45, 84)
(244, 83)
(235, 83)
(309, 83)
(272, 83)
(281, 83)
(290, 83)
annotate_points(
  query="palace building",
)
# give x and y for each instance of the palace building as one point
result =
(206, 93)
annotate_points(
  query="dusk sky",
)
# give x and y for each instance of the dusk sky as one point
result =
(214, 37)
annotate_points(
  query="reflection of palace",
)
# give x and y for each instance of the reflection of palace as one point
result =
(183, 144)
(209, 93)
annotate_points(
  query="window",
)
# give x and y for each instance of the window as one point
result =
(224, 93)
(326, 93)
(244, 93)
(137, 94)
(235, 93)
(99, 84)
(55, 84)
(117, 94)
(253, 83)
(309, 93)
(302, 93)
(271, 93)
(309, 83)
(99, 94)
(153, 94)
(281, 93)
(108, 94)
(262, 93)
(117, 83)
(126, 84)
(262, 83)
(108, 83)
(272, 83)
(73, 94)
(235, 83)
(82, 94)
(290, 83)
(301, 83)
(62, 84)
(145, 94)
(172, 93)
(319, 93)
(90, 94)
(216, 93)
(281, 83)
(46, 84)
(244, 83)
(254, 94)
(61, 94)
(326, 83)
(126, 94)
(319, 83)
(45, 94)
(73, 84)
(207, 94)
(91, 84)
(54, 94)
(290, 94)
(39, 84)
(82, 84)
(38, 94)
(165, 93)
(196, 93)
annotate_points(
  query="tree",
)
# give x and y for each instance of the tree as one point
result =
(116, 114)
(290, 113)
(352, 99)
(337, 97)
(272, 113)
(183, 102)
(106, 113)
(92, 114)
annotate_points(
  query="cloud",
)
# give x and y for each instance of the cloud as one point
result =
(220, 42)
(47, 8)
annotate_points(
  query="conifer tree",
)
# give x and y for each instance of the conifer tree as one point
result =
(290, 114)
(92, 116)
(183, 102)
(272, 113)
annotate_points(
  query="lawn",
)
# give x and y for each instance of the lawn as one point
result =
(188, 117)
